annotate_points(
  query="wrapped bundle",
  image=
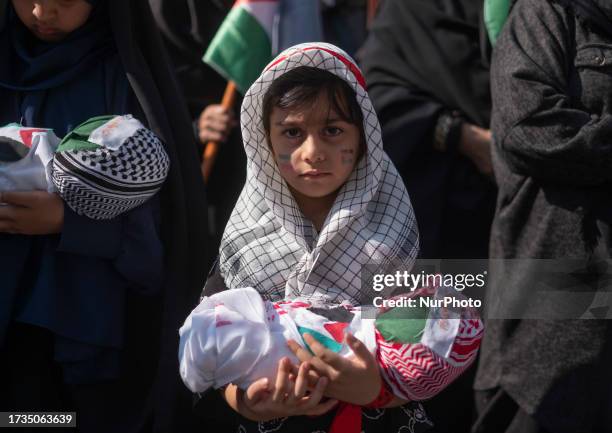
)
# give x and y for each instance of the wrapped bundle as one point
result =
(109, 165)
(237, 337)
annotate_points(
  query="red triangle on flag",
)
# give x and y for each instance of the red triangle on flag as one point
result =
(336, 330)
(26, 135)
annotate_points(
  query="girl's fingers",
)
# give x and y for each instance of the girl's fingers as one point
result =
(317, 394)
(301, 382)
(301, 353)
(327, 356)
(257, 391)
(359, 349)
(283, 384)
(313, 378)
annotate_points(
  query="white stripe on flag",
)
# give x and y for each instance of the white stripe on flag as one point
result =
(264, 12)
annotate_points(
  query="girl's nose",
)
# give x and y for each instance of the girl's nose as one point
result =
(312, 149)
(42, 10)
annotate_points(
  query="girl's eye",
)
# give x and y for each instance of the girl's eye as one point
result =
(333, 131)
(292, 133)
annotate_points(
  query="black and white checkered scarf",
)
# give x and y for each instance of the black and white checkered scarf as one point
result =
(269, 245)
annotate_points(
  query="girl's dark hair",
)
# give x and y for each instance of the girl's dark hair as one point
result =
(301, 87)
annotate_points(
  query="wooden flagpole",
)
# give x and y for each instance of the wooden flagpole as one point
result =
(212, 148)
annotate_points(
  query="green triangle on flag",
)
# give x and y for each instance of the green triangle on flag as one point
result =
(242, 46)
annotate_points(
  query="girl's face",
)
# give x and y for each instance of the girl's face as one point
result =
(315, 149)
(52, 20)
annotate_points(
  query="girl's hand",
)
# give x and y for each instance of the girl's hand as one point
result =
(353, 380)
(31, 213)
(261, 402)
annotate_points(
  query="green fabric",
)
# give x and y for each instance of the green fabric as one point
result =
(240, 49)
(402, 325)
(495, 15)
(330, 344)
(76, 140)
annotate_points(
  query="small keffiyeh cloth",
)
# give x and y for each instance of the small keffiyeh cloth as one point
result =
(109, 165)
(26, 156)
(423, 350)
(236, 337)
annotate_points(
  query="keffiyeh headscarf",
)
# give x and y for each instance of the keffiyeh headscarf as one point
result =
(268, 244)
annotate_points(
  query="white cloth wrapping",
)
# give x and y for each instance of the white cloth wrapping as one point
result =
(33, 171)
(237, 337)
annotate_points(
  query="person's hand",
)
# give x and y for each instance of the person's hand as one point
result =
(353, 380)
(215, 124)
(31, 213)
(289, 396)
(475, 143)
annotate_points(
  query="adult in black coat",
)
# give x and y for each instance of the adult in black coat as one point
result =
(187, 27)
(552, 123)
(147, 395)
(427, 68)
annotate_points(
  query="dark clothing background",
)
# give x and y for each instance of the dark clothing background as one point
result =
(552, 123)
(187, 27)
(424, 58)
(148, 383)
(344, 24)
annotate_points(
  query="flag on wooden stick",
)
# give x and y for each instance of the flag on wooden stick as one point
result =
(242, 46)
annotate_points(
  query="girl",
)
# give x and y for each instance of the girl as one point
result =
(321, 201)
(78, 296)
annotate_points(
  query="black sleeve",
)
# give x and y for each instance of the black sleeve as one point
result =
(408, 119)
(537, 130)
(214, 281)
(131, 241)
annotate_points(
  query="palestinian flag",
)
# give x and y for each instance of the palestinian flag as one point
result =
(242, 46)
(16, 141)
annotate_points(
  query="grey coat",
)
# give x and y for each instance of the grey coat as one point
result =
(552, 127)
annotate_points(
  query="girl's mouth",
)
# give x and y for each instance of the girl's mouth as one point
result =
(315, 174)
(46, 31)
